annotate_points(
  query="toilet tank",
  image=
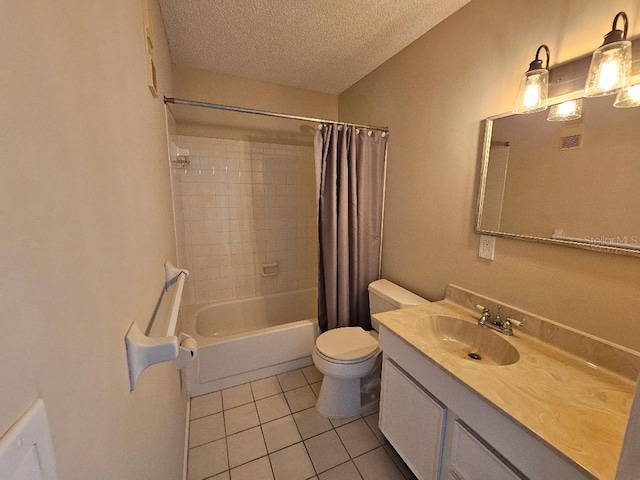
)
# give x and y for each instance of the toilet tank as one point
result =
(385, 295)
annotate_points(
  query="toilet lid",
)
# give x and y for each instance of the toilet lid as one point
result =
(346, 344)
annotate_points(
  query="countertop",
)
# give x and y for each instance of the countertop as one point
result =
(577, 407)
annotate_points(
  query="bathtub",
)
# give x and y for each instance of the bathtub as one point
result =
(244, 340)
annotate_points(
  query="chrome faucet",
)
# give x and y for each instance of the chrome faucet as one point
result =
(497, 324)
(486, 316)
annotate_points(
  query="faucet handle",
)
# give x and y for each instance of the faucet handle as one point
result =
(482, 308)
(513, 321)
(485, 314)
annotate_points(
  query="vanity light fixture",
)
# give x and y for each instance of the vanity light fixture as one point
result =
(569, 110)
(611, 62)
(628, 97)
(534, 86)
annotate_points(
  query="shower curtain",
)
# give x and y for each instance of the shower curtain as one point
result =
(350, 170)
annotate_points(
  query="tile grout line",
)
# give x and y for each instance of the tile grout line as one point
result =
(298, 428)
(351, 458)
(226, 441)
(273, 473)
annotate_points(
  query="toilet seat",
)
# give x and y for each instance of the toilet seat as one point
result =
(346, 345)
(346, 362)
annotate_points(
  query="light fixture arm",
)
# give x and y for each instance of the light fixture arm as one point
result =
(616, 35)
(537, 63)
(626, 23)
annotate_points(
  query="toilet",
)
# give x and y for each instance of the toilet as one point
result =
(350, 360)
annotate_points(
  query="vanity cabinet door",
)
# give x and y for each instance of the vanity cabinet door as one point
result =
(471, 459)
(412, 420)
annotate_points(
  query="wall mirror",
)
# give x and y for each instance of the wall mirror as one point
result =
(575, 183)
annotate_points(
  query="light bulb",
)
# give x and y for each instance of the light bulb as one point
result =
(608, 75)
(569, 110)
(628, 97)
(531, 95)
(634, 92)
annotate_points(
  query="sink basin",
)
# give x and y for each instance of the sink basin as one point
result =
(469, 340)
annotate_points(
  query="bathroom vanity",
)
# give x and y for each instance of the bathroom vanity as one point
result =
(557, 408)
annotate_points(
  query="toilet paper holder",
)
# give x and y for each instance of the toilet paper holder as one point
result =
(187, 350)
(144, 351)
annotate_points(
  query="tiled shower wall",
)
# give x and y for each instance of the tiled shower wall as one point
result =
(239, 205)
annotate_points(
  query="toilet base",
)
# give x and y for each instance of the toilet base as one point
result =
(341, 398)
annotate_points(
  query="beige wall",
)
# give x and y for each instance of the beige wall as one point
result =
(85, 226)
(434, 96)
(204, 86)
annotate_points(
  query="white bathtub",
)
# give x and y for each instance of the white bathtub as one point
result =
(251, 338)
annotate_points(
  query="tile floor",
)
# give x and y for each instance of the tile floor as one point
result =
(270, 430)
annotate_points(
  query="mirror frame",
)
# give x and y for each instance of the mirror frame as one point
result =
(486, 145)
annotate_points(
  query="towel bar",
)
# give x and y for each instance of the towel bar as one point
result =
(144, 351)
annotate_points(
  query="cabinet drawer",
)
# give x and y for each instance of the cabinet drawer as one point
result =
(472, 460)
(412, 421)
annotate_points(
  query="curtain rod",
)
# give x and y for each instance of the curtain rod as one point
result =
(217, 106)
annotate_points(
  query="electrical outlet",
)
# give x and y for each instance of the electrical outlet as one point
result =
(487, 247)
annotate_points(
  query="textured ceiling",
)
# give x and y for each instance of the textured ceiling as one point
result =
(324, 45)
